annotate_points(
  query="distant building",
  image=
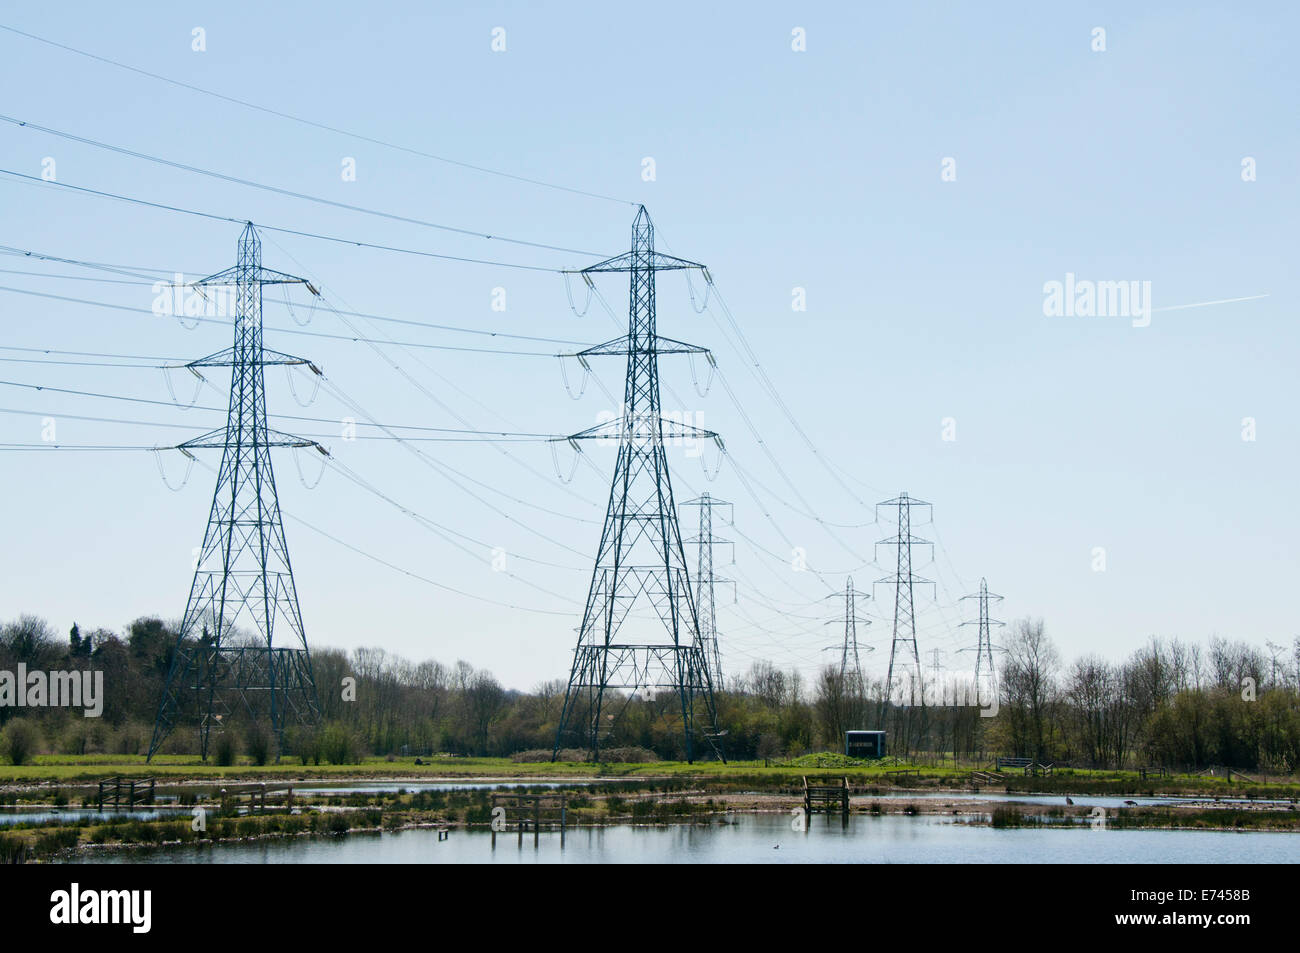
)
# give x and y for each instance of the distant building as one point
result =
(864, 744)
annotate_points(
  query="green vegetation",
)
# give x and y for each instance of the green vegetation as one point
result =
(1181, 706)
(824, 759)
(1011, 817)
(19, 741)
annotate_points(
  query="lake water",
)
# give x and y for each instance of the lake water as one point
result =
(749, 839)
(67, 815)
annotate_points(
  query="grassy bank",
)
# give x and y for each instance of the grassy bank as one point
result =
(51, 770)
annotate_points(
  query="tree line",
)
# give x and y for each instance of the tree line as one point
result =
(1171, 703)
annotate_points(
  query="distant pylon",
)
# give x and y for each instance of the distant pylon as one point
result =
(903, 581)
(706, 582)
(641, 556)
(243, 576)
(850, 661)
(985, 671)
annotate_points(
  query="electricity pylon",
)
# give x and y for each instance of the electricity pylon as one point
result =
(984, 647)
(641, 557)
(706, 582)
(850, 663)
(243, 576)
(903, 581)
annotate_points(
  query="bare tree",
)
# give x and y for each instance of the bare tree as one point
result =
(1028, 685)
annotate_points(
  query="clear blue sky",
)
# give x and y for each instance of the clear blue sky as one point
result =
(779, 169)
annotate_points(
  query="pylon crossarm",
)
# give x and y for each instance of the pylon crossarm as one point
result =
(895, 579)
(225, 277)
(231, 358)
(217, 439)
(621, 347)
(264, 276)
(636, 261)
(267, 276)
(681, 347)
(673, 429)
(614, 430)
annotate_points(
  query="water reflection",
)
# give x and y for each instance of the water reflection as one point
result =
(749, 839)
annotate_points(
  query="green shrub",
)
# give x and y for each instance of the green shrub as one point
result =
(18, 741)
(129, 739)
(1008, 817)
(225, 749)
(339, 744)
(140, 832)
(13, 850)
(257, 743)
(78, 738)
(304, 743)
(179, 830)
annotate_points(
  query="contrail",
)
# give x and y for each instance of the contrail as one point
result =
(1203, 304)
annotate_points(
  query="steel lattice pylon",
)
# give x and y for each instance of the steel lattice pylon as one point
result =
(243, 575)
(850, 662)
(985, 679)
(706, 582)
(903, 581)
(641, 558)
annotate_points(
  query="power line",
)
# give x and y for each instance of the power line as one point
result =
(288, 192)
(442, 530)
(760, 374)
(212, 216)
(68, 446)
(308, 122)
(374, 345)
(298, 417)
(151, 281)
(120, 357)
(128, 270)
(754, 432)
(102, 281)
(502, 352)
(411, 573)
(425, 579)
